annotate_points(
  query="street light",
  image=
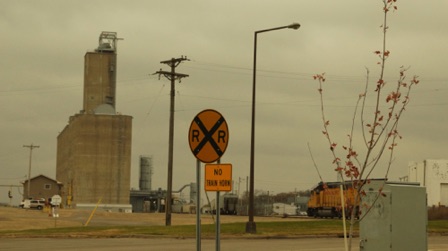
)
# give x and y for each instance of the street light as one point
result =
(250, 225)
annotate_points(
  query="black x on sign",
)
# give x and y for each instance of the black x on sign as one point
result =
(208, 136)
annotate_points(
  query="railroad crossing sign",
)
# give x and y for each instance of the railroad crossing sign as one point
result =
(218, 177)
(208, 136)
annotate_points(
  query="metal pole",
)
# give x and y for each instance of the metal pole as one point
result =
(198, 205)
(218, 222)
(250, 225)
(217, 226)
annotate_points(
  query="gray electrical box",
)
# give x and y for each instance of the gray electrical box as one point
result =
(395, 218)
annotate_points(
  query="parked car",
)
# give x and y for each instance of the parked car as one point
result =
(33, 204)
(37, 204)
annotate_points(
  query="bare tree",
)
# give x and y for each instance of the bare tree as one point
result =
(378, 126)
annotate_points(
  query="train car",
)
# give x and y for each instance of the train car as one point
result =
(230, 201)
(325, 200)
(227, 204)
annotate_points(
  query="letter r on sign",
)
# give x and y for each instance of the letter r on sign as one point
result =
(221, 135)
(195, 135)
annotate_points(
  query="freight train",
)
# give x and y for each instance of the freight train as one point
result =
(325, 200)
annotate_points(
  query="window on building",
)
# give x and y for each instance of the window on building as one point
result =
(47, 186)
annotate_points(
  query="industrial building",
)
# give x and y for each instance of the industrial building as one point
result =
(94, 148)
(432, 174)
(147, 200)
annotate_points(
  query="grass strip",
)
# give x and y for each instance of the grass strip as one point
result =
(264, 229)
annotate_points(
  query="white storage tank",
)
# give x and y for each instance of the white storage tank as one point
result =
(146, 171)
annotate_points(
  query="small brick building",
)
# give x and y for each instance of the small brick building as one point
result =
(41, 186)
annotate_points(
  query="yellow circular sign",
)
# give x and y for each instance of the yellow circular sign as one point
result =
(208, 136)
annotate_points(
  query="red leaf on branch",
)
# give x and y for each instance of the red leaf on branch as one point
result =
(415, 80)
(336, 160)
(394, 96)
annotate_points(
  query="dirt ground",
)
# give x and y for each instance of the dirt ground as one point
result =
(20, 219)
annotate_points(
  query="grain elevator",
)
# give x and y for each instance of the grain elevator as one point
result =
(94, 148)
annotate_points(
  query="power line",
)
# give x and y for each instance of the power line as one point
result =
(215, 67)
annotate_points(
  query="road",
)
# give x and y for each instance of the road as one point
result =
(436, 243)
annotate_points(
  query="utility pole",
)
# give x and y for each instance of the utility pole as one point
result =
(31, 147)
(172, 76)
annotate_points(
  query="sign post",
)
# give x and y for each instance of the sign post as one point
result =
(208, 138)
(218, 224)
(198, 205)
(55, 203)
(218, 177)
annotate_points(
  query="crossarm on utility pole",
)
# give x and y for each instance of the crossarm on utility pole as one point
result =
(170, 76)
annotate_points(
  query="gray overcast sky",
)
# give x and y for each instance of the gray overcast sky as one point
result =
(42, 56)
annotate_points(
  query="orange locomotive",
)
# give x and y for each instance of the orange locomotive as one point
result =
(325, 200)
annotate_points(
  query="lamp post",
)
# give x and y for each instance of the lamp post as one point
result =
(250, 225)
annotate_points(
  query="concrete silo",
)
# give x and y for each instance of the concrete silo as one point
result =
(94, 149)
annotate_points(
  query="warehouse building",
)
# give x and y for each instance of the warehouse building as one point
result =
(432, 174)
